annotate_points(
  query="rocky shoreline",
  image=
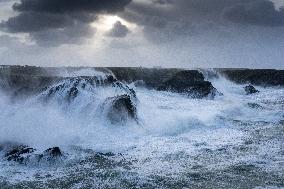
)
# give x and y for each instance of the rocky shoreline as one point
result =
(29, 79)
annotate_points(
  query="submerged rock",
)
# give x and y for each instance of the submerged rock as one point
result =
(24, 154)
(189, 82)
(70, 88)
(255, 106)
(50, 155)
(19, 154)
(72, 93)
(121, 109)
(250, 90)
(53, 152)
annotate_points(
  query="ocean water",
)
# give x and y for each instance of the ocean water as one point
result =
(178, 142)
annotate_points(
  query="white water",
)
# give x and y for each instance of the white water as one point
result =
(171, 129)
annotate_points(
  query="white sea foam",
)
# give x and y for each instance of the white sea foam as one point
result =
(172, 129)
(160, 113)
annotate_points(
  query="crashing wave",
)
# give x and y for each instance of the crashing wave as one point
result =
(96, 94)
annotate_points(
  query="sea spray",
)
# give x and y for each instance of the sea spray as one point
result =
(179, 141)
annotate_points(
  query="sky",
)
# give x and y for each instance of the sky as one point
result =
(148, 33)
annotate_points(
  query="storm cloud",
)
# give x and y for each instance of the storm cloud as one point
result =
(58, 22)
(162, 20)
(168, 19)
(179, 33)
(65, 6)
(261, 13)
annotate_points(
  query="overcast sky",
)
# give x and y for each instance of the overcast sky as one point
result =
(167, 33)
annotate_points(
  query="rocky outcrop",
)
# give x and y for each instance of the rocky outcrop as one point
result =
(249, 89)
(259, 77)
(151, 77)
(120, 109)
(29, 80)
(191, 83)
(19, 154)
(50, 155)
(25, 154)
(70, 88)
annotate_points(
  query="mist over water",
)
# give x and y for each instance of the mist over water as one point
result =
(177, 142)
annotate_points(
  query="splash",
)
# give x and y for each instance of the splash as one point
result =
(177, 140)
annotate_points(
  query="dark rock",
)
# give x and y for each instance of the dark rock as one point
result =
(125, 88)
(107, 154)
(69, 89)
(28, 80)
(191, 83)
(111, 79)
(73, 93)
(250, 90)
(24, 154)
(255, 106)
(53, 152)
(121, 109)
(50, 155)
(151, 77)
(19, 154)
(261, 77)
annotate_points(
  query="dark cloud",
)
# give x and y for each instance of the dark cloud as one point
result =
(68, 35)
(162, 2)
(55, 22)
(165, 20)
(35, 21)
(118, 30)
(261, 13)
(65, 6)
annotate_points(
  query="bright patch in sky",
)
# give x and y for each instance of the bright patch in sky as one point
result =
(105, 23)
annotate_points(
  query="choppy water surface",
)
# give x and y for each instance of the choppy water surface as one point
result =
(234, 141)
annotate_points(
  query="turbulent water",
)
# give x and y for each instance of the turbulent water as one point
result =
(233, 141)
